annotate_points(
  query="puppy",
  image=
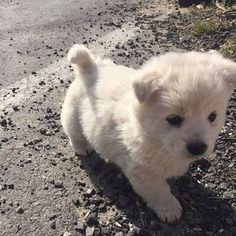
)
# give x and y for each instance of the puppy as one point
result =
(151, 122)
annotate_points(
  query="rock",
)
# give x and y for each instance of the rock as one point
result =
(53, 225)
(89, 231)
(89, 192)
(204, 164)
(3, 122)
(92, 219)
(43, 131)
(20, 210)
(67, 233)
(15, 108)
(80, 227)
(119, 234)
(228, 194)
(58, 184)
(76, 202)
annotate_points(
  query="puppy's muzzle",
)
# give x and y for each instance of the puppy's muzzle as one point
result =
(196, 148)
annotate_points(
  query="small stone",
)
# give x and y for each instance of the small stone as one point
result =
(119, 234)
(53, 225)
(43, 131)
(211, 185)
(67, 233)
(89, 192)
(102, 207)
(3, 122)
(80, 227)
(136, 229)
(58, 184)
(197, 229)
(90, 231)
(92, 219)
(20, 210)
(11, 186)
(204, 164)
(52, 216)
(76, 202)
(15, 108)
(228, 194)
(53, 162)
(49, 110)
(223, 186)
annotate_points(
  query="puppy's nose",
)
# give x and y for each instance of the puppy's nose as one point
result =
(197, 148)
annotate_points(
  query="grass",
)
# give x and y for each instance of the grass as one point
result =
(228, 49)
(205, 27)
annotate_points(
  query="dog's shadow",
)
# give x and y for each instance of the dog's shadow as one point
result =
(202, 207)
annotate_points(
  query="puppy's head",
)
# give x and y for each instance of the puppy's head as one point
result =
(182, 100)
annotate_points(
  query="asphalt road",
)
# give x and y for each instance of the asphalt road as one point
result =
(44, 188)
(34, 34)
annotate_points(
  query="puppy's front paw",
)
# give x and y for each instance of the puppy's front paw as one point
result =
(81, 150)
(169, 211)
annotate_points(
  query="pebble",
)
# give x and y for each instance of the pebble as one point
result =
(119, 234)
(197, 229)
(204, 164)
(53, 225)
(43, 131)
(223, 186)
(15, 108)
(58, 184)
(67, 233)
(80, 226)
(92, 219)
(89, 192)
(3, 122)
(76, 202)
(228, 194)
(89, 231)
(20, 210)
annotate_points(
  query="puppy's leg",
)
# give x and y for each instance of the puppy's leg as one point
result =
(156, 192)
(71, 124)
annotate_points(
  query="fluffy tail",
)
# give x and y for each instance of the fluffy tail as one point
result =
(84, 63)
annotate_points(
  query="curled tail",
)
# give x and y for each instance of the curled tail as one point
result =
(84, 63)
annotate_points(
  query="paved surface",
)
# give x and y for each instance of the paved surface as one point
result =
(34, 34)
(44, 188)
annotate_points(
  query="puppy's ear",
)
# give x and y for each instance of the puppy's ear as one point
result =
(145, 85)
(229, 72)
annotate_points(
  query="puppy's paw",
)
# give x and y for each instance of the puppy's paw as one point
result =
(169, 211)
(81, 150)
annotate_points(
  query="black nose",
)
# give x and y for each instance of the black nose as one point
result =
(197, 148)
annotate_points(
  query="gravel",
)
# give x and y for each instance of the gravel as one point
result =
(45, 189)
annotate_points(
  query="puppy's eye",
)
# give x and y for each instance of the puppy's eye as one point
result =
(175, 120)
(212, 117)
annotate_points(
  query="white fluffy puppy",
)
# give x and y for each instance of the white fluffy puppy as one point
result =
(152, 122)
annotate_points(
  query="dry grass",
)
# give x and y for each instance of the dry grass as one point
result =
(228, 49)
(205, 27)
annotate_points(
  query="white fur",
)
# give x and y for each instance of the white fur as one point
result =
(121, 113)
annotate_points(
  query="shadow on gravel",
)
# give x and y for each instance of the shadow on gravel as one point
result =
(202, 207)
